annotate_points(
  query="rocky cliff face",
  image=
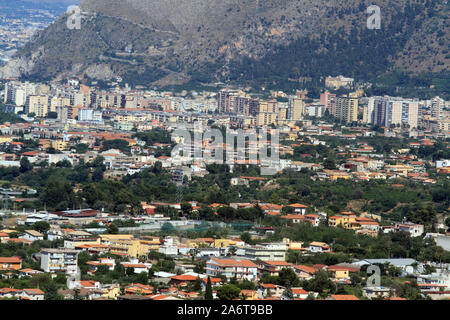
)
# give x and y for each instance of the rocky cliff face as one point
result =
(212, 40)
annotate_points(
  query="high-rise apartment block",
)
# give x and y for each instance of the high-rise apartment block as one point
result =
(346, 109)
(393, 112)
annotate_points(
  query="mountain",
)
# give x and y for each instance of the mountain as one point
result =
(163, 42)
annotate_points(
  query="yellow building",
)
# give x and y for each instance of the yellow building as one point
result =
(399, 168)
(59, 145)
(267, 113)
(444, 124)
(111, 292)
(129, 248)
(200, 242)
(39, 105)
(107, 238)
(334, 175)
(339, 273)
(56, 102)
(296, 109)
(153, 243)
(249, 294)
(223, 243)
(295, 246)
(4, 139)
(345, 219)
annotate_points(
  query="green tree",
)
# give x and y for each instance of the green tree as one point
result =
(197, 285)
(321, 283)
(228, 292)
(112, 228)
(232, 250)
(208, 290)
(51, 292)
(288, 278)
(186, 208)
(129, 271)
(25, 165)
(329, 164)
(246, 237)
(41, 226)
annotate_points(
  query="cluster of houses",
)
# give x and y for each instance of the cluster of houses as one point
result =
(361, 161)
(230, 257)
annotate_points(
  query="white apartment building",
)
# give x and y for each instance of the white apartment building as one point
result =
(57, 260)
(267, 252)
(232, 268)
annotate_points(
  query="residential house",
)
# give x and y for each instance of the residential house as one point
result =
(214, 282)
(138, 288)
(341, 273)
(314, 219)
(137, 266)
(29, 272)
(3, 237)
(298, 208)
(249, 294)
(183, 279)
(32, 294)
(33, 235)
(269, 290)
(107, 262)
(305, 272)
(22, 294)
(273, 267)
(300, 293)
(294, 218)
(320, 247)
(343, 297)
(376, 292)
(232, 268)
(10, 293)
(346, 219)
(10, 263)
(415, 230)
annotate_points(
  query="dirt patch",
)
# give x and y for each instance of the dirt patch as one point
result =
(355, 205)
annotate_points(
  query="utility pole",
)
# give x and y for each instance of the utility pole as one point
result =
(178, 179)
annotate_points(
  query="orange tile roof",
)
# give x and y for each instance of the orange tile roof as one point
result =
(307, 269)
(299, 291)
(277, 263)
(293, 216)
(235, 263)
(87, 283)
(184, 277)
(10, 260)
(297, 205)
(344, 297)
(213, 280)
(341, 268)
(34, 291)
(268, 285)
(159, 297)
